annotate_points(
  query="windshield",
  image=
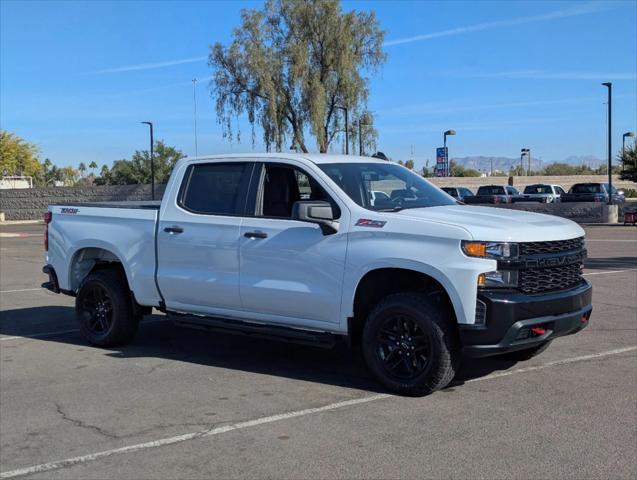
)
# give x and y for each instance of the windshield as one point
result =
(538, 189)
(385, 186)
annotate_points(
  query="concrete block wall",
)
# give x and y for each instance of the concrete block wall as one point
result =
(31, 203)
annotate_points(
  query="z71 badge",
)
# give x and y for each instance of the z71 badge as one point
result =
(70, 211)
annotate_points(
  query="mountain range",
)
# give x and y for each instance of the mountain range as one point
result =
(504, 164)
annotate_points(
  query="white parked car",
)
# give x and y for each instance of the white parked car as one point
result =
(415, 278)
(544, 193)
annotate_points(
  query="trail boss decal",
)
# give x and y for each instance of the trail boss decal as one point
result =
(70, 211)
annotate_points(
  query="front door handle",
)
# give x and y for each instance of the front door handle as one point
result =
(255, 235)
(173, 229)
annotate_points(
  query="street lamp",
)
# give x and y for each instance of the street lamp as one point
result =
(528, 152)
(152, 162)
(346, 129)
(609, 85)
(448, 132)
(360, 135)
(627, 134)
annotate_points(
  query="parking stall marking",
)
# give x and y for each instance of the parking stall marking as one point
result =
(69, 462)
(610, 271)
(21, 290)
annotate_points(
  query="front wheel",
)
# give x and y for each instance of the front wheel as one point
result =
(410, 345)
(104, 310)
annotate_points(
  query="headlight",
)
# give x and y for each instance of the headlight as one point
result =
(498, 279)
(494, 250)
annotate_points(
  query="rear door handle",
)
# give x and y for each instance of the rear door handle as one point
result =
(173, 229)
(255, 235)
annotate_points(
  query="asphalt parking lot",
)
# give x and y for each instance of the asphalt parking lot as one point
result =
(182, 403)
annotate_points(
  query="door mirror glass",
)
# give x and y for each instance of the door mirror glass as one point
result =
(318, 212)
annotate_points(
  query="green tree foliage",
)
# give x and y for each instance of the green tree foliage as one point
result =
(409, 164)
(82, 168)
(137, 169)
(291, 65)
(19, 157)
(629, 164)
(460, 171)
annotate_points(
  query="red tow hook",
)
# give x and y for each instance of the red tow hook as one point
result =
(538, 331)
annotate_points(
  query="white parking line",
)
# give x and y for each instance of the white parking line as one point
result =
(69, 462)
(21, 290)
(610, 271)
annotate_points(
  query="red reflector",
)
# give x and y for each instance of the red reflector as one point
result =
(584, 318)
(538, 331)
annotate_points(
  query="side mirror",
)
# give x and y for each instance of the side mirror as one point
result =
(314, 211)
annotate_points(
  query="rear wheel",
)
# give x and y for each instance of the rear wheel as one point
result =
(104, 310)
(526, 354)
(409, 344)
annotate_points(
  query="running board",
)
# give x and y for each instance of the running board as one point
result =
(270, 332)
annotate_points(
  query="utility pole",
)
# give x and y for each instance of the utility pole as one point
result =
(609, 85)
(152, 162)
(194, 101)
(346, 130)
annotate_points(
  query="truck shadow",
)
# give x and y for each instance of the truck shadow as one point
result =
(158, 337)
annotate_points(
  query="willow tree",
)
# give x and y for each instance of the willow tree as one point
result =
(292, 67)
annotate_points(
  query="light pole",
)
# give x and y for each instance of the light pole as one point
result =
(346, 130)
(528, 152)
(444, 144)
(194, 101)
(627, 134)
(360, 135)
(152, 162)
(610, 148)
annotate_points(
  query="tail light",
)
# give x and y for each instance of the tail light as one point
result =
(48, 216)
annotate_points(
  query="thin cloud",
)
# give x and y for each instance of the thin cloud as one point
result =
(584, 9)
(150, 66)
(540, 75)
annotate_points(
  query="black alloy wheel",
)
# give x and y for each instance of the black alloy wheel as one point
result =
(97, 309)
(403, 347)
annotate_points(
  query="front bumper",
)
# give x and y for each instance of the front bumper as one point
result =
(516, 321)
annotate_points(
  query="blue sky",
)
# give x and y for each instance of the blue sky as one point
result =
(77, 77)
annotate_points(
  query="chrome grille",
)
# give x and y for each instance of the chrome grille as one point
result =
(542, 248)
(538, 280)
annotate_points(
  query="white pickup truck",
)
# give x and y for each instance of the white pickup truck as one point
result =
(291, 246)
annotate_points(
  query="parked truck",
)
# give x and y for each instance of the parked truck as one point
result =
(593, 192)
(291, 246)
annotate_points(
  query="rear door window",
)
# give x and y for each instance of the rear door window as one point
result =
(216, 188)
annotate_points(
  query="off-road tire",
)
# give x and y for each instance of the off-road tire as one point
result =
(429, 319)
(116, 324)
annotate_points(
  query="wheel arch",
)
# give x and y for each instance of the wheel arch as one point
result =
(87, 258)
(376, 283)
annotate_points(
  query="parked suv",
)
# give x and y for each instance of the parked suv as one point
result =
(459, 193)
(292, 247)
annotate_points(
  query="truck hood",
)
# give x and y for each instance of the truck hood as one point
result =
(498, 224)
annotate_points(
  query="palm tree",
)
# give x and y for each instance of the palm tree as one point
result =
(82, 168)
(92, 166)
